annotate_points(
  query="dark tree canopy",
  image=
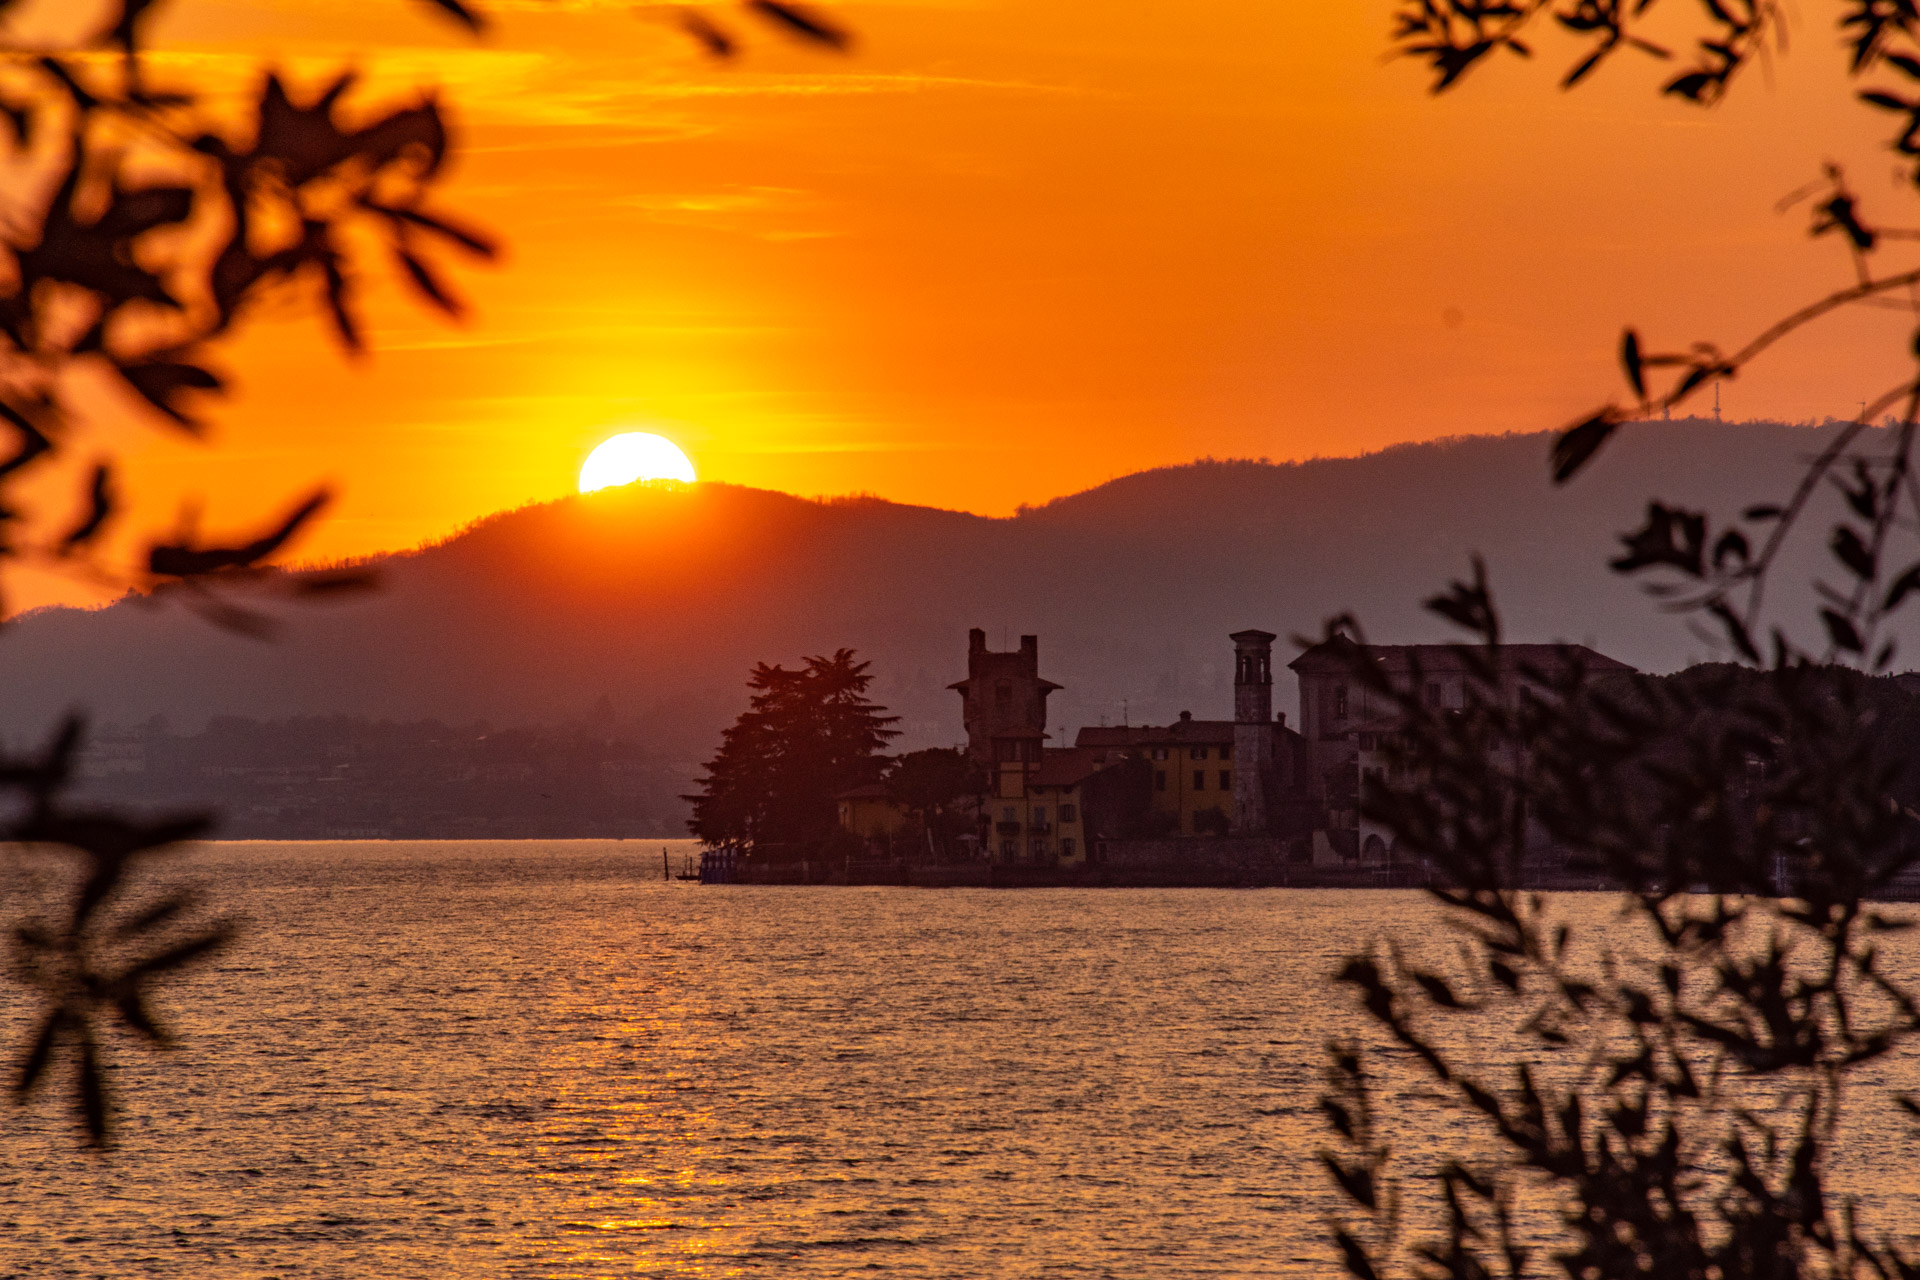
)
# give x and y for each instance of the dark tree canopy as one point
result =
(933, 781)
(939, 786)
(808, 734)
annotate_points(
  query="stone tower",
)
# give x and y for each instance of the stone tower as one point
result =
(1004, 702)
(1254, 730)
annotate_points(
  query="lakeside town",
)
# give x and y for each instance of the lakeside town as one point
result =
(1272, 788)
(1248, 799)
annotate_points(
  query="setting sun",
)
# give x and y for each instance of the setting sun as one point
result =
(631, 456)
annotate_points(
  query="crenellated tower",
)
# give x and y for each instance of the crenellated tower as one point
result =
(1004, 703)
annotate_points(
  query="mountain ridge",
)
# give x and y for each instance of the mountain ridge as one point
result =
(660, 600)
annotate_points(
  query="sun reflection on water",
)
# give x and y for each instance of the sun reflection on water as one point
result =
(540, 1060)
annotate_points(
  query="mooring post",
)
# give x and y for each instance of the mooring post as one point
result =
(666, 871)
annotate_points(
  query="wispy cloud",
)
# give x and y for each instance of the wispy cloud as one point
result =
(411, 340)
(843, 446)
(497, 85)
(767, 213)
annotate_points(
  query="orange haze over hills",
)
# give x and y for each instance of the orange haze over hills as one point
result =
(1008, 250)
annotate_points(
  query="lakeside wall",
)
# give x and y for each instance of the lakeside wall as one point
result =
(1244, 862)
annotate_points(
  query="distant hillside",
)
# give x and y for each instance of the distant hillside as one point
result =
(660, 601)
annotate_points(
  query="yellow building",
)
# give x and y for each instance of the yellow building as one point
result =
(1192, 763)
(871, 814)
(1040, 815)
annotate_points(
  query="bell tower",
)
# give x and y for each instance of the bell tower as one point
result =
(1252, 676)
(1254, 730)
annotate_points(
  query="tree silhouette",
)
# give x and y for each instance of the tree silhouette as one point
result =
(144, 223)
(808, 735)
(937, 785)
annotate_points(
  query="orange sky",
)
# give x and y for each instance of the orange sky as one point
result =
(1008, 250)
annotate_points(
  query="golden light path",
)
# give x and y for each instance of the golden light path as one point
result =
(631, 456)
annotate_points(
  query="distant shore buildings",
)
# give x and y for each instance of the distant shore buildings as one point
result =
(1252, 781)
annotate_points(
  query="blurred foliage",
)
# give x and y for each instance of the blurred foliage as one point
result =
(143, 221)
(1717, 571)
(1672, 1086)
(1676, 1079)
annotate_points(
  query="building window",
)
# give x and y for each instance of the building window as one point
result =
(1339, 702)
(1433, 693)
(1069, 814)
(1159, 753)
(1006, 850)
(1066, 847)
(1159, 779)
(1226, 779)
(1040, 817)
(1040, 846)
(1226, 753)
(1199, 753)
(1199, 779)
(1009, 814)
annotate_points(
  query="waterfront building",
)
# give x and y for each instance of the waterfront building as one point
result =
(1347, 728)
(1217, 777)
(1251, 777)
(1190, 770)
(1003, 702)
(871, 813)
(1042, 805)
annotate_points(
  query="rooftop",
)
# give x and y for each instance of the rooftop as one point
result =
(1183, 730)
(1067, 767)
(1336, 655)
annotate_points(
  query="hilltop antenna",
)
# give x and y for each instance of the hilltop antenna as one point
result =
(1124, 722)
(1716, 402)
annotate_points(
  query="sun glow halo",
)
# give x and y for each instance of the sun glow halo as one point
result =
(631, 456)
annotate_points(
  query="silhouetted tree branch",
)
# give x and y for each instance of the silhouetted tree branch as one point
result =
(1675, 1082)
(142, 224)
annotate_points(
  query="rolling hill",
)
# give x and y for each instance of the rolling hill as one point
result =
(659, 601)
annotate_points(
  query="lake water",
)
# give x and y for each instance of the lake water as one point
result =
(532, 1059)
